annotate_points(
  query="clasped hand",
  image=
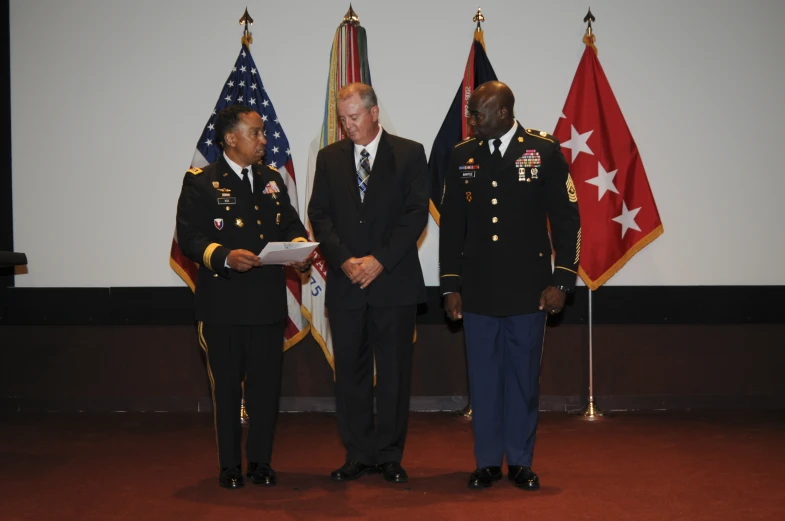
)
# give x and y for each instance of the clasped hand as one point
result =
(362, 271)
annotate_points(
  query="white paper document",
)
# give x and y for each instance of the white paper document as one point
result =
(286, 252)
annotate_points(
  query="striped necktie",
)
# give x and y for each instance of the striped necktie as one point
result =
(363, 173)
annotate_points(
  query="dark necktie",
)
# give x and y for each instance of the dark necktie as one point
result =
(363, 173)
(497, 151)
(247, 182)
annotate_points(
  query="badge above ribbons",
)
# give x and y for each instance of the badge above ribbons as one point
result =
(271, 188)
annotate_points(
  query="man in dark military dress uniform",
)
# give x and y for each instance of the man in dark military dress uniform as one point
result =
(502, 188)
(225, 216)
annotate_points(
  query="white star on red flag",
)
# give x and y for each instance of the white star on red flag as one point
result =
(627, 219)
(603, 181)
(577, 143)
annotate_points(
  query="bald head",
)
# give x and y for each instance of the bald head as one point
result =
(491, 112)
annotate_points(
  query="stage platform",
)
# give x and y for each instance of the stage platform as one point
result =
(163, 466)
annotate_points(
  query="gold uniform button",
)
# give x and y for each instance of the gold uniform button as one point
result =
(259, 222)
(261, 236)
(540, 254)
(494, 184)
(494, 201)
(256, 207)
(466, 182)
(227, 208)
(215, 276)
(495, 238)
(495, 220)
(277, 203)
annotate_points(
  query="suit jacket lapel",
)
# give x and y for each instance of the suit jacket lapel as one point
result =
(259, 184)
(482, 156)
(383, 166)
(349, 171)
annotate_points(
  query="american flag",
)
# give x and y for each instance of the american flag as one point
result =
(244, 86)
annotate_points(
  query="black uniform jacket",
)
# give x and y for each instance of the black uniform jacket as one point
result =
(386, 225)
(215, 215)
(494, 245)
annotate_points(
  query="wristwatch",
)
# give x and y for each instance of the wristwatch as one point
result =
(564, 289)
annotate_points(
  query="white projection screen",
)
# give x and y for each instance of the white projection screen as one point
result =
(109, 98)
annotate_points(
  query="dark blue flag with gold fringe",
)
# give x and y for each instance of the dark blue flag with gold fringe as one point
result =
(455, 126)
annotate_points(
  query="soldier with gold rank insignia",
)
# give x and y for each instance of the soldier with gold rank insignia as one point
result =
(226, 215)
(502, 189)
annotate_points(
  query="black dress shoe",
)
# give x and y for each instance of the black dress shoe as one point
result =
(393, 472)
(261, 474)
(231, 477)
(351, 470)
(484, 477)
(523, 477)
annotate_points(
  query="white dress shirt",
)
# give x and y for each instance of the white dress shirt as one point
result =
(371, 147)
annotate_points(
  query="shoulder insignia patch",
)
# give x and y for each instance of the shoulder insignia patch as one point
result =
(272, 168)
(539, 134)
(195, 171)
(467, 140)
(571, 193)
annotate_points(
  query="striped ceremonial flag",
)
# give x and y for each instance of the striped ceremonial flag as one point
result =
(348, 64)
(455, 127)
(244, 86)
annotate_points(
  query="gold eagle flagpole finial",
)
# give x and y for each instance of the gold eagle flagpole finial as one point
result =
(351, 17)
(588, 37)
(246, 20)
(478, 34)
(479, 18)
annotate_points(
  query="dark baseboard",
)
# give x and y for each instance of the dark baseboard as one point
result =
(569, 404)
(611, 305)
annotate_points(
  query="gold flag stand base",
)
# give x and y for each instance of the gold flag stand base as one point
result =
(591, 412)
(243, 414)
(464, 414)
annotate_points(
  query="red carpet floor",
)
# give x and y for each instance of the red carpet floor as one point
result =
(158, 466)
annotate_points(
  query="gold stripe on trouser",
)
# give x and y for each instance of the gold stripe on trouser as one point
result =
(542, 350)
(203, 343)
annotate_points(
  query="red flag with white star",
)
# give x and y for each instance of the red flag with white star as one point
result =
(618, 213)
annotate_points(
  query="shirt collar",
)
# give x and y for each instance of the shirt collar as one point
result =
(237, 168)
(506, 138)
(371, 147)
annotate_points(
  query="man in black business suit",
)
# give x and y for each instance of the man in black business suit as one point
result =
(226, 214)
(368, 209)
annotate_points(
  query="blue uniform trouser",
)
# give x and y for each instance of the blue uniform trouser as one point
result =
(504, 355)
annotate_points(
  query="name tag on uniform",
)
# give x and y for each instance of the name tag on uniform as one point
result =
(227, 200)
(468, 171)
